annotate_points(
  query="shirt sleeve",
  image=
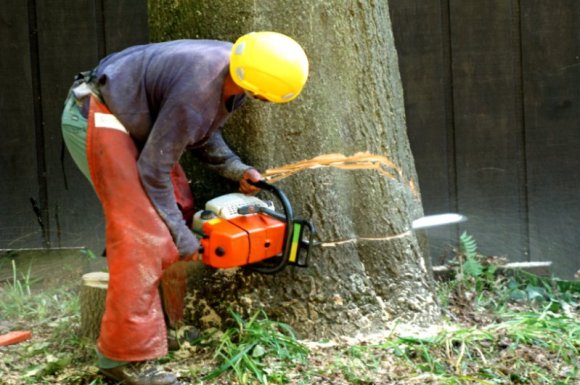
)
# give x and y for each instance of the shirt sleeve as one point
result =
(165, 144)
(218, 156)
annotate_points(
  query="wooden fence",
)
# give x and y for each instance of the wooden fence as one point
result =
(44, 200)
(492, 92)
(492, 99)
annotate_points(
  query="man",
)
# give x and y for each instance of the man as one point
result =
(126, 125)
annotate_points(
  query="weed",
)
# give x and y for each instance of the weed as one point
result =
(52, 316)
(509, 352)
(245, 348)
(18, 302)
(15, 294)
(468, 246)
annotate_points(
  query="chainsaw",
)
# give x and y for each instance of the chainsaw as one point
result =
(238, 230)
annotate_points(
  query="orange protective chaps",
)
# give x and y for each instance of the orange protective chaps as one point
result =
(138, 243)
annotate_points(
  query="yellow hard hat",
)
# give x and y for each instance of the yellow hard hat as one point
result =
(269, 65)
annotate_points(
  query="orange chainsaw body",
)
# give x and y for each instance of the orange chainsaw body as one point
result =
(241, 240)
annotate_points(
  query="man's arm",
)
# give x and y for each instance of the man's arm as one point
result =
(220, 158)
(164, 147)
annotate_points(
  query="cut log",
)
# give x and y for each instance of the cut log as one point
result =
(173, 288)
(92, 302)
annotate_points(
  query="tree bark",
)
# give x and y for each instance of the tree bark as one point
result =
(92, 302)
(371, 270)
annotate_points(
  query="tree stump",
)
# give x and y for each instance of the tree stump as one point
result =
(92, 302)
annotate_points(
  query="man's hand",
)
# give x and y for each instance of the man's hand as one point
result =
(195, 257)
(253, 175)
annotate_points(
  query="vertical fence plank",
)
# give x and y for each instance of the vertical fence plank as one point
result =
(73, 36)
(19, 225)
(421, 36)
(68, 44)
(551, 59)
(125, 23)
(39, 60)
(488, 123)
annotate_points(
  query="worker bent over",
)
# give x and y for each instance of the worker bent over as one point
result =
(126, 124)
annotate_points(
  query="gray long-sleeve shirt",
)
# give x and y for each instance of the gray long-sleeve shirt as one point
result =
(169, 96)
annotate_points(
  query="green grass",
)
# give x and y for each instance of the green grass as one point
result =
(16, 295)
(52, 316)
(245, 349)
(527, 342)
(514, 329)
(21, 302)
(522, 348)
(504, 329)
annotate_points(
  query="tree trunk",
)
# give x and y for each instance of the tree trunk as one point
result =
(92, 302)
(371, 269)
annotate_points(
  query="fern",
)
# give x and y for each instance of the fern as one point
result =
(472, 267)
(468, 247)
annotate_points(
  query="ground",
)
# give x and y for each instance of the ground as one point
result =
(495, 329)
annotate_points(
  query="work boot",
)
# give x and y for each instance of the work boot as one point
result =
(139, 374)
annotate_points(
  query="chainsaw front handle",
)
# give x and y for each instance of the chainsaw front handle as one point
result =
(263, 267)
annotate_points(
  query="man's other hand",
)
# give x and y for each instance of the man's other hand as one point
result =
(253, 175)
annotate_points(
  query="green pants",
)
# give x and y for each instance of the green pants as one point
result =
(74, 132)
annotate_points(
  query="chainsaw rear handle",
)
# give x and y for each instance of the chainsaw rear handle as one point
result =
(265, 268)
